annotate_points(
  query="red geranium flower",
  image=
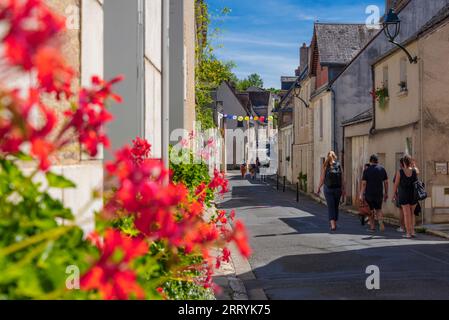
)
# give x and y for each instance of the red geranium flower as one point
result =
(90, 118)
(219, 182)
(241, 239)
(31, 26)
(52, 72)
(141, 150)
(112, 275)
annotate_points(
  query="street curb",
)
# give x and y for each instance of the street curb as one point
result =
(241, 270)
(243, 273)
(436, 233)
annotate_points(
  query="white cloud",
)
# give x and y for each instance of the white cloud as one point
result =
(271, 66)
(253, 39)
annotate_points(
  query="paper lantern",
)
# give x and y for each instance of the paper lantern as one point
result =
(240, 118)
(270, 118)
(234, 118)
(256, 118)
(246, 118)
(262, 119)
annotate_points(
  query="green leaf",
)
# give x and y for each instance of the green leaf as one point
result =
(60, 182)
(24, 157)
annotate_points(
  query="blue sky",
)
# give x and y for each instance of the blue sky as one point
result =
(264, 36)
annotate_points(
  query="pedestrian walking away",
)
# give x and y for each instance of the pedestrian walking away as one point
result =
(334, 189)
(375, 191)
(243, 169)
(404, 192)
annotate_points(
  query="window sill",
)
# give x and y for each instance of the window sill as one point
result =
(403, 93)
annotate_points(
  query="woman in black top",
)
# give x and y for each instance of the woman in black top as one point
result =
(404, 192)
(334, 187)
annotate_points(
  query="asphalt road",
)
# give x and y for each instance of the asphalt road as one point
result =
(295, 256)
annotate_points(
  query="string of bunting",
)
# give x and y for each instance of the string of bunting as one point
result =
(247, 118)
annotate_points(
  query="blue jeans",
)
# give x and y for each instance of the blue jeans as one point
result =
(333, 197)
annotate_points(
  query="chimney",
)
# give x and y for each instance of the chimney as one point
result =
(388, 4)
(396, 4)
(303, 57)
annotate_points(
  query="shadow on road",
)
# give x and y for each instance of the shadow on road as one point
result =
(406, 272)
(296, 256)
(305, 216)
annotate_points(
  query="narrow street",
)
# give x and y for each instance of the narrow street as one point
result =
(295, 256)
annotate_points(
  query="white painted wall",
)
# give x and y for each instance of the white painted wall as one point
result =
(153, 75)
(286, 135)
(323, 145)
(91, 40)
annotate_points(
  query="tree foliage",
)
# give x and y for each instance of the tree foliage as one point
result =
(210, 71)
(253, 80)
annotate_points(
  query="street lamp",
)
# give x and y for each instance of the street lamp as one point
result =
(392, 28)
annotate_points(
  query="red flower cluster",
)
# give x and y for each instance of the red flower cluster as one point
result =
(240, 237)
(112, 275)
(29, 44)
(91, 116)
(141, 150)
(17, 125)
(164, 210)
(20, 124)
(31, 26)
(219, 182)
(30, 47)
(53, 74)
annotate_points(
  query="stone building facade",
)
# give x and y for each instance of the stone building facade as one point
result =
(333, 46)
(415, 119)
(82, 47)
(401, 119)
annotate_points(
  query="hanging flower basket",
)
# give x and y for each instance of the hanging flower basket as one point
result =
(381, 95)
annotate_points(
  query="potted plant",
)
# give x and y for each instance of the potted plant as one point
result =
(302, 181)
(381, 95)
(402, 86)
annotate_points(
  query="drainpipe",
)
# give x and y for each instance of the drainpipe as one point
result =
(165, 82)
(334, 119)
(372, 131)
(343, 145)
(421, 133)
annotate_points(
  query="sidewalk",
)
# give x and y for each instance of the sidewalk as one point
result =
(232, 288)
(439, 230)
(229, 277)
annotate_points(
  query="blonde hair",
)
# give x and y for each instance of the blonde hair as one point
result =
(331, 157)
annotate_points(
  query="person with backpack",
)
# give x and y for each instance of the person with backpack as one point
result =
(334, 187)
(404, 192)
(375, 191)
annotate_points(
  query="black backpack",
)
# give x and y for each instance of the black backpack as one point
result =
(333, 176)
